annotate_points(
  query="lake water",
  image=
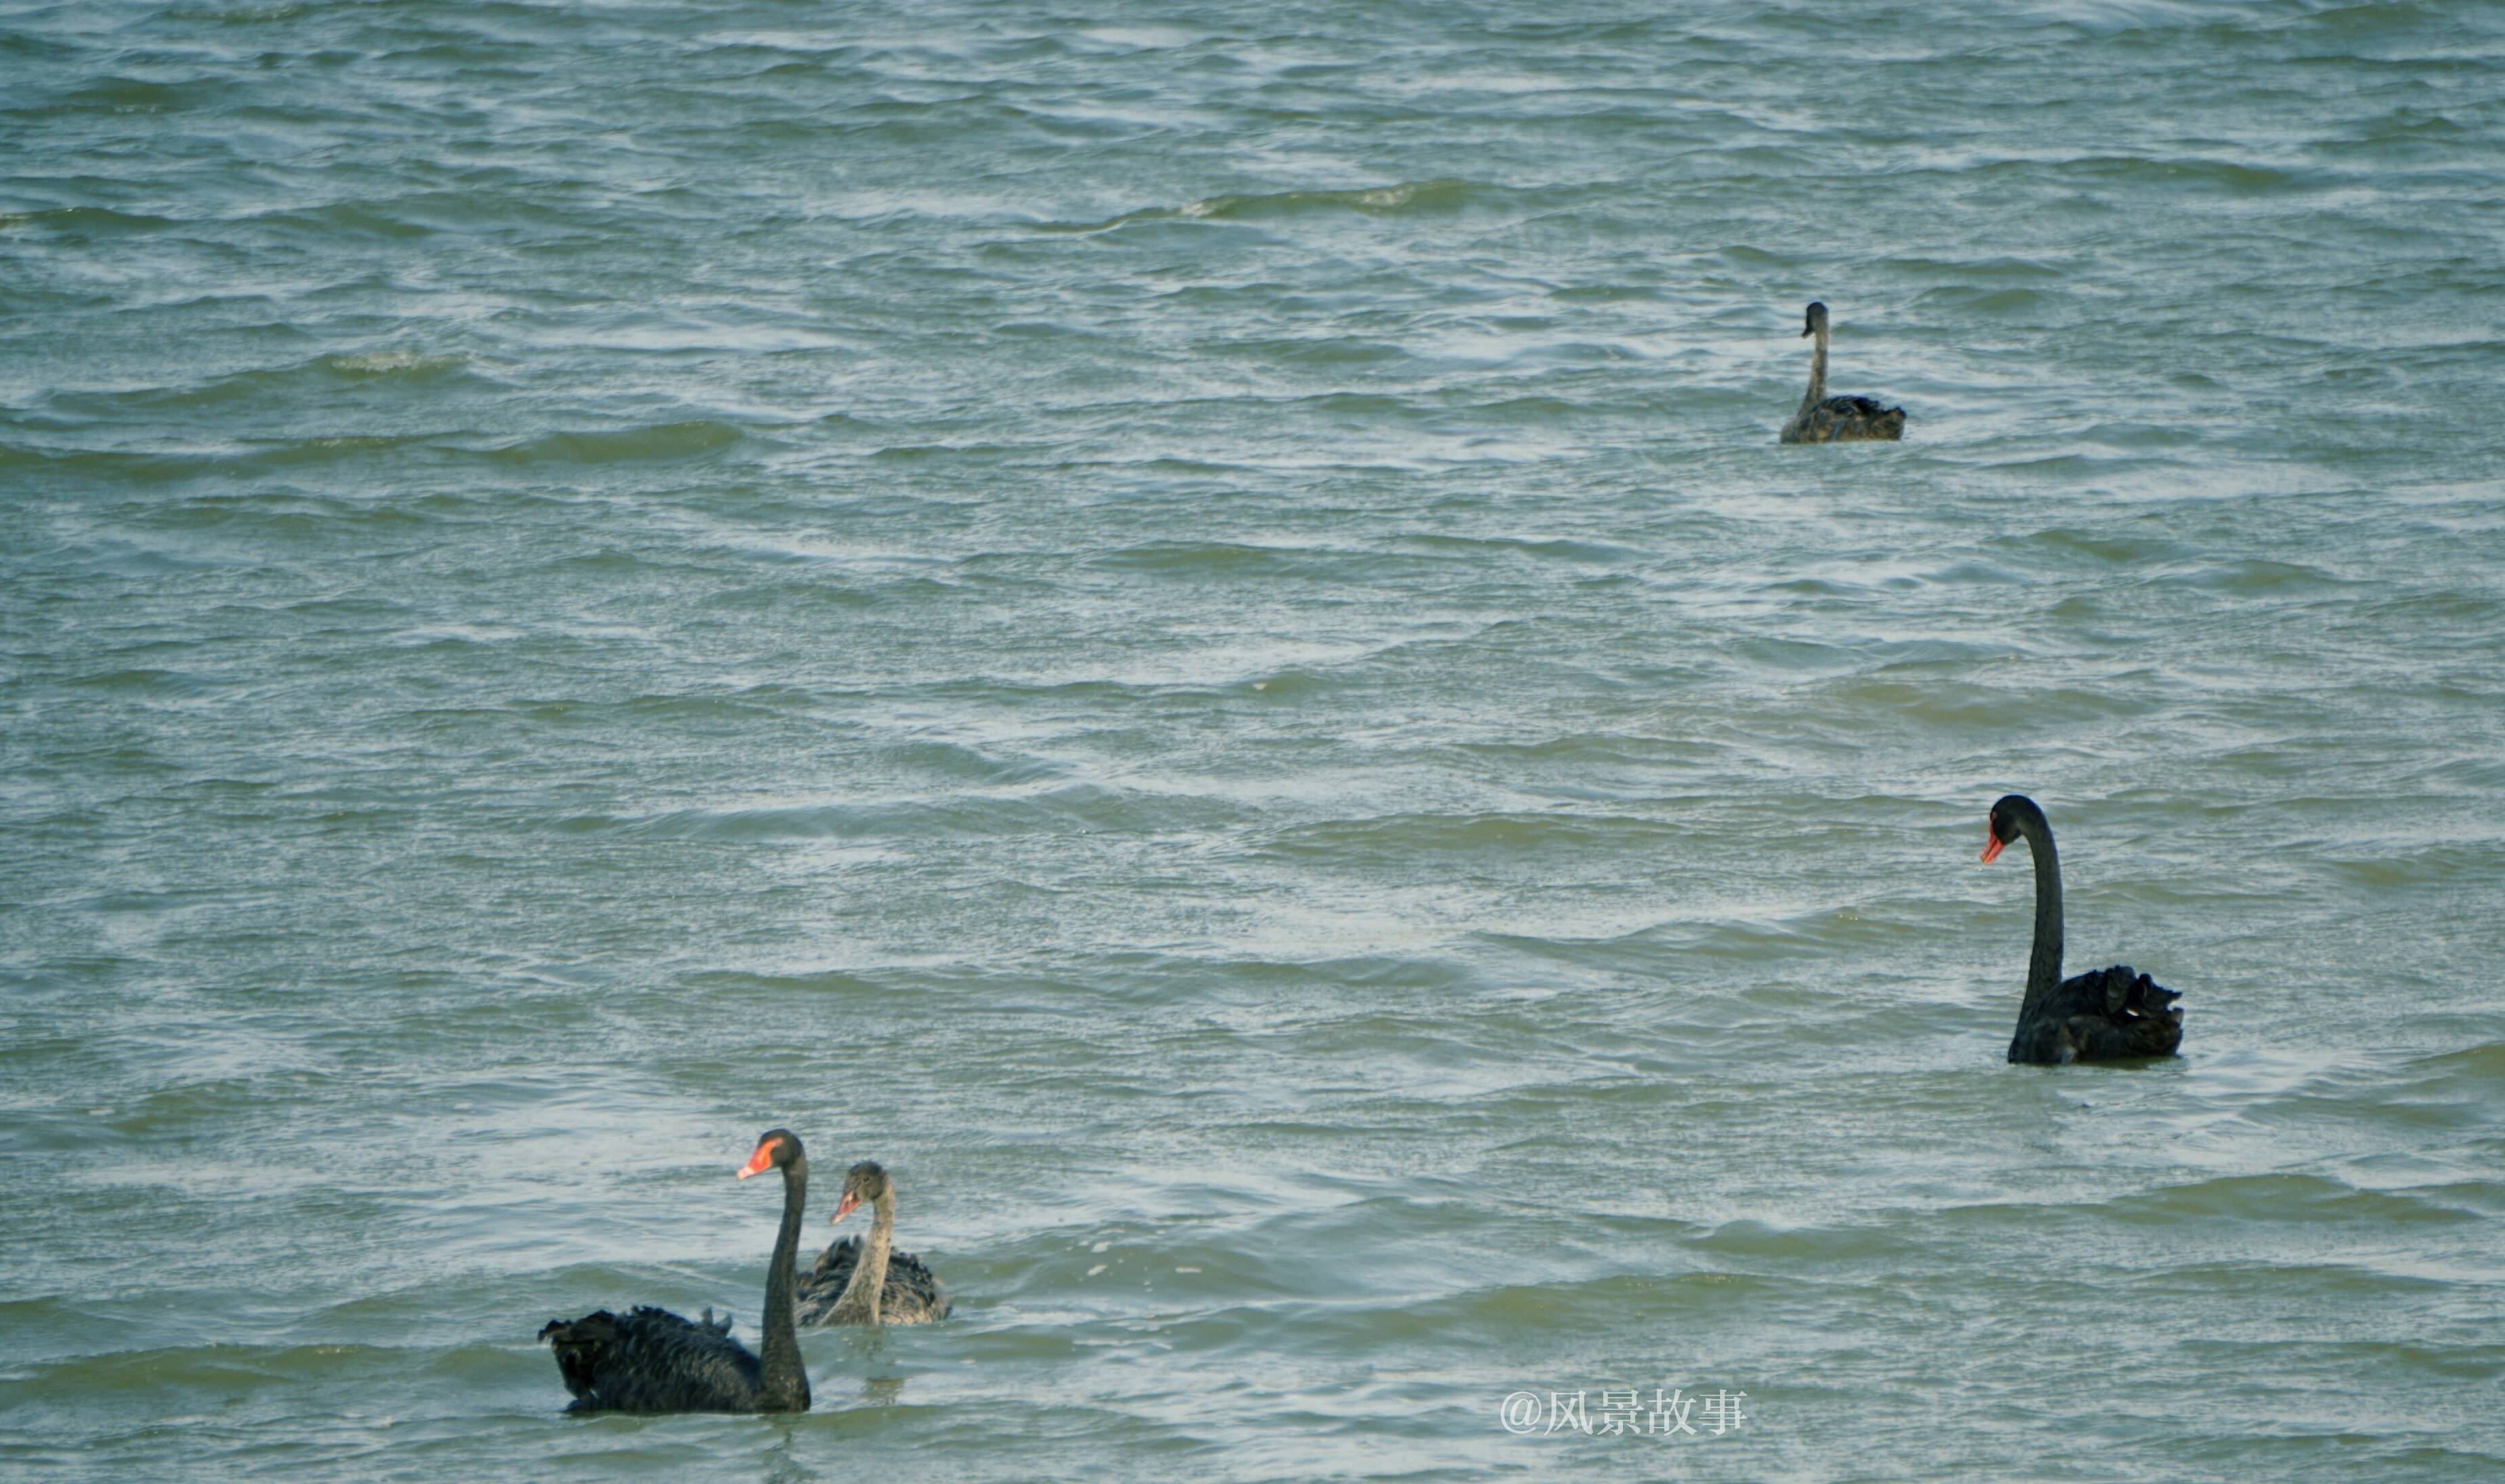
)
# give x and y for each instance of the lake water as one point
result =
(1183, 621)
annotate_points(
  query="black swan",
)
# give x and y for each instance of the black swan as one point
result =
(2109, 1015)
(1824, 419)
(649, 1360)
(866, 1284)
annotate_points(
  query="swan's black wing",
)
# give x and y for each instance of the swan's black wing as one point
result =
(2112, 1014)
(820, 1286)
(2138, 1019)
(1857, 419)
(649, 1360)
(913, 1294)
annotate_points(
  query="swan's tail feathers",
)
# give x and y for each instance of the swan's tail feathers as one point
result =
(1862, 420)
(594, 1328)
(2140, 1018)
(2140, 995)
(579, 1344)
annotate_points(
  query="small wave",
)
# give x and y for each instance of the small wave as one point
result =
(2079, 468)
(221, 1369)
(1071, 809)
(2480, 1067)
(1447, 834)
(2123, 550)
(1557, 548)
(2259, 575)
(243, 15)
(137, 95)
(269, 386)
(2352, 21)
(80, 221)
(256, 459)
(169, 684)
(1428, 198)
(2138, 436)
(1215, 559)
(2012, 302)
(2305, 1198)
(2006, 267)
(345, 219)
(2429, 865)
(371, 364)
(664, 444)
(1324, 350)
(1419, 198)
(1823, 1245)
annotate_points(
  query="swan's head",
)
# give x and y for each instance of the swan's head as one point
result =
(776, 1148)
(864, 1181)
(1815, 321)
(2006, 824)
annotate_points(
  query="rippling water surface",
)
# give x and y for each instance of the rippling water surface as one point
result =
(1183, 621)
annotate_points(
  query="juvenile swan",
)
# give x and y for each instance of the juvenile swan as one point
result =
(1824, 419)
(858, 1282)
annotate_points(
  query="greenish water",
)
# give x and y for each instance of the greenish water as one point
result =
(1183, 622)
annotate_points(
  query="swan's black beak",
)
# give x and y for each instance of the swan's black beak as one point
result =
(844, 1207)
(1992, 847)
(1807, 331)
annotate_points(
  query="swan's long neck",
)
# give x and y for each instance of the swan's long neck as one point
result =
(1816, 373)
(860, 1303)
(2044, 959)
(782, 1382)
(883, 1235)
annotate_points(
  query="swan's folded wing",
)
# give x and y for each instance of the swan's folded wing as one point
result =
(651, 1359)
(820, 1286)
(1854, 421)
(913, 1292)
(2124, 1037)
(2127, 992)
(2132, 1015)
(838, 1258)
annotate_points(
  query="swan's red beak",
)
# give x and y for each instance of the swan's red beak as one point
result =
(759, 1162)
(844, 1207)
(1992, 844)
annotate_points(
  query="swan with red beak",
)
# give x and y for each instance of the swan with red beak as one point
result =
(2113, 1014)
(648, 1359)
